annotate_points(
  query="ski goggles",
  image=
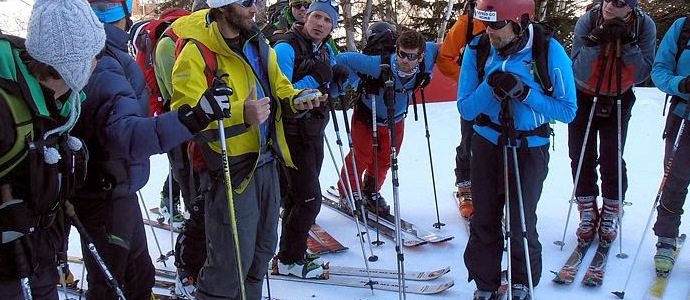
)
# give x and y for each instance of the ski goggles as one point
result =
(617, 3)
(409, 56)
(498, 25)
(300, 5)
(248, 3)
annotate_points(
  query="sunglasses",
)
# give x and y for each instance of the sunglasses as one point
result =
(304, 5)
(617, 3)
(409, 56)
(248, 3)
(498, 25)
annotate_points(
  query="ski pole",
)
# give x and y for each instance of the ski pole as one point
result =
(162, 258)
(171, 210)
(69, 210)
(619, 64)
(573, 198)
(509, 233)
(389, 97)
(667, 170)
(438, 223)
(372, 257)
(385, 68)
(18, 250)
(351, 206)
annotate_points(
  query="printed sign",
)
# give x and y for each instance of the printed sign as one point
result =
(487, 16)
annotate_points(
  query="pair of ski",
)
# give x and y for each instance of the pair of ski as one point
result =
(417, 282)
(319, 241)
(657, 289)
(594, 276)
(412, 234)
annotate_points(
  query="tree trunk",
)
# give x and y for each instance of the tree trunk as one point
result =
(541, 12)
(365, 21)
(444, 23)
(349, 25)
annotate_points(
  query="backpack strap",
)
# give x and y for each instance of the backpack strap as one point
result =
(683, 38)
(540, 56)
(24, 132)
(210, 60)
(483, 48)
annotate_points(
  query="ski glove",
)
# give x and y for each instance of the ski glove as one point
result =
(322, 73)
(340, 74)
(507, 85)
(684, 85)
(610, 31)
(214, 104)
(16, 220)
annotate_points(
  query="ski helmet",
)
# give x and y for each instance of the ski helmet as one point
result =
(499, 10)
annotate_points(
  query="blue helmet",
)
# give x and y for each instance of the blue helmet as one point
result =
(109, 11)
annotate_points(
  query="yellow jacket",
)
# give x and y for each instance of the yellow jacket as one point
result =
(455, 41)
(189, 83)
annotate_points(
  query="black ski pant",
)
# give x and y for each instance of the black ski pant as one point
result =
(44, 243)
(605, 127)
(117, 230)
(463, 152)
(186, 181)
(485, 247)
(190, 246)
(675, 189)
(303, 191)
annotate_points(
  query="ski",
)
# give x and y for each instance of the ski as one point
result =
(160, 225)
(315, 246)
(408, 240)
(404, 225)
(387, 273)
(326, 239)
(658, 287)
(425, 288)
(569, 270)
(594, 276)
(159, 272)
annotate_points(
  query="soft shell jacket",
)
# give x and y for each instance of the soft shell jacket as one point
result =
(475, 97)
(455, 41)
(119, 138)
(667, 73)
(588, 61)
(189, 83)
(370, 65)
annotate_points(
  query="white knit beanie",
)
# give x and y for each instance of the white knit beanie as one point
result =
(220, 3)
(66, 35)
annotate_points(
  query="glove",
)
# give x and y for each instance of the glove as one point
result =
(214, 104)
(322, 73)
(507, 86)
(610, 31)
(340, 74)
(16, 220)
(684, 85)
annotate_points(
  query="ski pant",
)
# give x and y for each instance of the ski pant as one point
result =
(301, 185)
(190, 246)
(675, 189)
(362, 141)
(185, 180)
(485, 247)
(256, 209)
(463, 152)
(44, 243)
(606, 127)
(117, 230)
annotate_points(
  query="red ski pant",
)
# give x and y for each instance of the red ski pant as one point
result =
(362, 146)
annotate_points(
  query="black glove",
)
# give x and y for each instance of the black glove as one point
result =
(684, 85)
(610, 31)
(322, 73)
(507, 86)
(214, 104)
(340, 74)
(15, 220)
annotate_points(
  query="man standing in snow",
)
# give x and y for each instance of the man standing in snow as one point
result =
(512, 113)
(262, 97)
(671, 74)
(305, 57)
(613, 49)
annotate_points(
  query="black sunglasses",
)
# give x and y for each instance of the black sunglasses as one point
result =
(304, 5)
(248, 3)
(617, 3)
(498, 25)
(409, 56)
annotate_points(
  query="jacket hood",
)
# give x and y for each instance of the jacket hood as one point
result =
(200, 27)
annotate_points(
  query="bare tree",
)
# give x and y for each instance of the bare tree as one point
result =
(349, 26)
(365, 21)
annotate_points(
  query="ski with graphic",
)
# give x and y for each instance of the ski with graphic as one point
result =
(315, 246)
(160, 225)
(388, 273)
(425, 288)
(389, 221)
(594, 276)
(657, 289)
(569, 270)
(324, 238)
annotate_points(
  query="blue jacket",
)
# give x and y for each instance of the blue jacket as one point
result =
(119, 138)
(286, 62)
(666, 73)
(370, 65)
(476, 97)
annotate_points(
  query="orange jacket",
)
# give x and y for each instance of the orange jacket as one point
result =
(447, 59)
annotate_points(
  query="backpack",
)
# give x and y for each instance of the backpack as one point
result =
(145, 38)
(540, 55)
(274, 11)
(681, 45)
(305, 56)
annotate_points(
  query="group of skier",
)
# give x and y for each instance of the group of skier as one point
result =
(255, 112)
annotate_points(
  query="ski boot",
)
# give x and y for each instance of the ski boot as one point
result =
(376, 204)
(608, 223)
(589, 219)
(464, 196)
(520, 292)
(665, 256)
(185, 285)
(302, 268)
(484, 295)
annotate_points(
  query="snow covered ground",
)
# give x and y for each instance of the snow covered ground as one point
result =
(644, 157)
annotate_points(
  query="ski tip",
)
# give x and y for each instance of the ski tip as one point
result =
(618, 294)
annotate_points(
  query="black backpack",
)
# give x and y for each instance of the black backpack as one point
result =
(682, 45)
